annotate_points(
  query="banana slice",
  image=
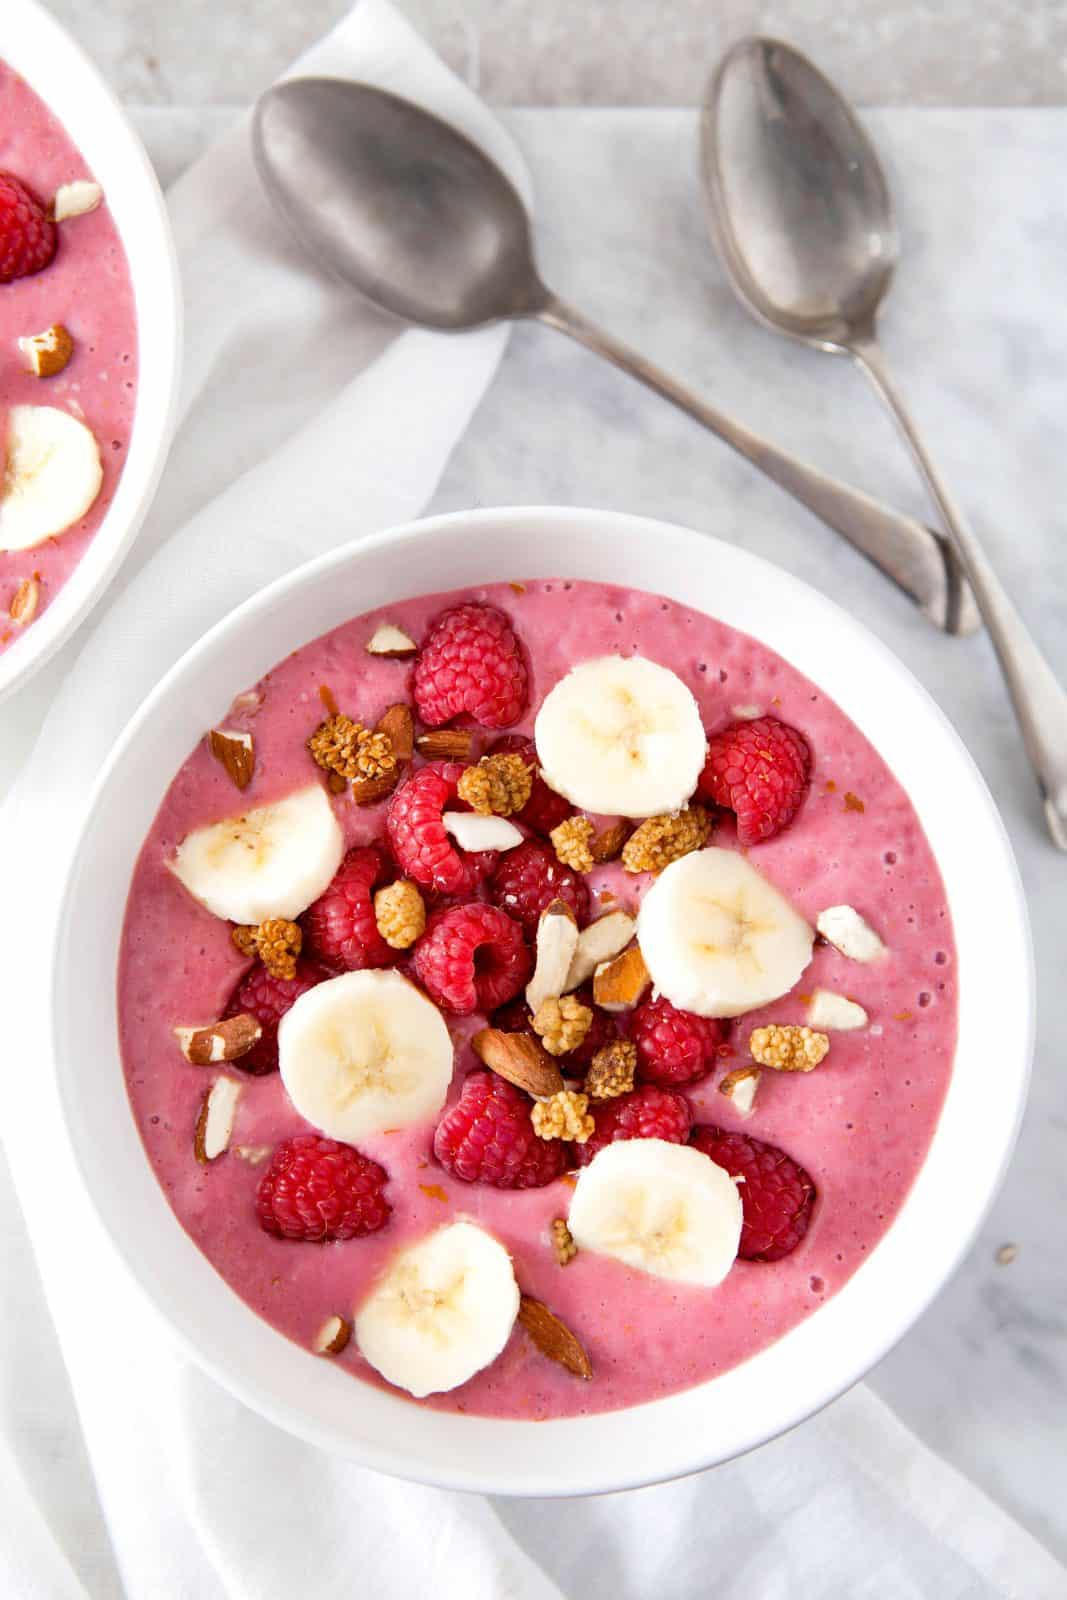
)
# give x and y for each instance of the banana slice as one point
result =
(623, 736)
(52, 475)
(444, 1310)
(269, 862)
(663, 1208)
(717, 938)
(364, 1052)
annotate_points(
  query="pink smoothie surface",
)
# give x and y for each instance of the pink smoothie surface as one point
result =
(861, 1124)
(87, 289)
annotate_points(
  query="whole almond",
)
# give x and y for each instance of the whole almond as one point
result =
(236, 751)
(553, 1338)
(520, 1059)
(445, 744)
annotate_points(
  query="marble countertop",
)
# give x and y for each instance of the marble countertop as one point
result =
(977, 332)
(598, 52)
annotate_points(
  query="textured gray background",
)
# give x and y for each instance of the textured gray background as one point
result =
(598, 52)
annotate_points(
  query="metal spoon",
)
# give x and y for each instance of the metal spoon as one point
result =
(422, 224)
(801, 214)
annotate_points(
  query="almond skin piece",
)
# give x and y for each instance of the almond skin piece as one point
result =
(236, 751)
(553, 1338)
(445, 744)
(519, 1058)
(227, 1040)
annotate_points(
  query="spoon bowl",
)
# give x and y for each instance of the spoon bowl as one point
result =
(425, 227)
(797, 197)
(410, 213)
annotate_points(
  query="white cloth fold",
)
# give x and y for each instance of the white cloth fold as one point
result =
(123, 1469)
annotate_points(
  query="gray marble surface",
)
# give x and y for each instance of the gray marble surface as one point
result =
(978, 334)
(599, 52)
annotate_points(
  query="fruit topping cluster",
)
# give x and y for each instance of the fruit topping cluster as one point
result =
(476, 899)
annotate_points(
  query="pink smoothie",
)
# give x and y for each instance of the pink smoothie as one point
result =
(87, 289)
(861, 1124)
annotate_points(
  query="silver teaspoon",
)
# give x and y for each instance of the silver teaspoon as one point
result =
(421, 223)
(802, 218)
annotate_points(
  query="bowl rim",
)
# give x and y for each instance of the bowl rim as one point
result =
(613, 1470)
(33, 34)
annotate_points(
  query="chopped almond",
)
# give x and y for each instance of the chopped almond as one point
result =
(398, 725)
(599, 942)
(740, 1087)
(619, 984)
(557, 940)
(49, 352)
(389, 640)
(75, 199)
(214, 1125)
(23, 607)
(332, 1337)
(445, 744)
(227, 1040)
(236, 751)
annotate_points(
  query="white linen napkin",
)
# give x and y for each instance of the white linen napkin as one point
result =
(125, 1470)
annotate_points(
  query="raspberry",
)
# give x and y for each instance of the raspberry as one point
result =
(423, 849)
(529, 877)
(674, 1047)
(488, 1137)
(318, 1189)
(760, 771)
(472, 958)
(545, 809)
(777, 1195)
(646, 1113)
(341, 928)
(268, 999)
(27, 238)
(470, 662)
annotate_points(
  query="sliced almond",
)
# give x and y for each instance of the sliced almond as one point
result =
(332, 1336)
(605, 845)
(236, 752)
(557, 940)
(835, 1011)
(389, 640)
(47, 353)
(214, 1125)
(740, 1087)
(520, 1059)
(619, 984)
(398, 724)
(598, 942)
(472, 831)
(227, 1040)
(845, 929)
(445, 744)
(75, 199)
(24, 602)
(553, 1338)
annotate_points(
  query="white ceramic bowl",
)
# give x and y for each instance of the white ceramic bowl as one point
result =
(34, 44)
(839, 1341)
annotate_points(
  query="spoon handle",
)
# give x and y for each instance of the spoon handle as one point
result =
(1039, 699)
(911, 554)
